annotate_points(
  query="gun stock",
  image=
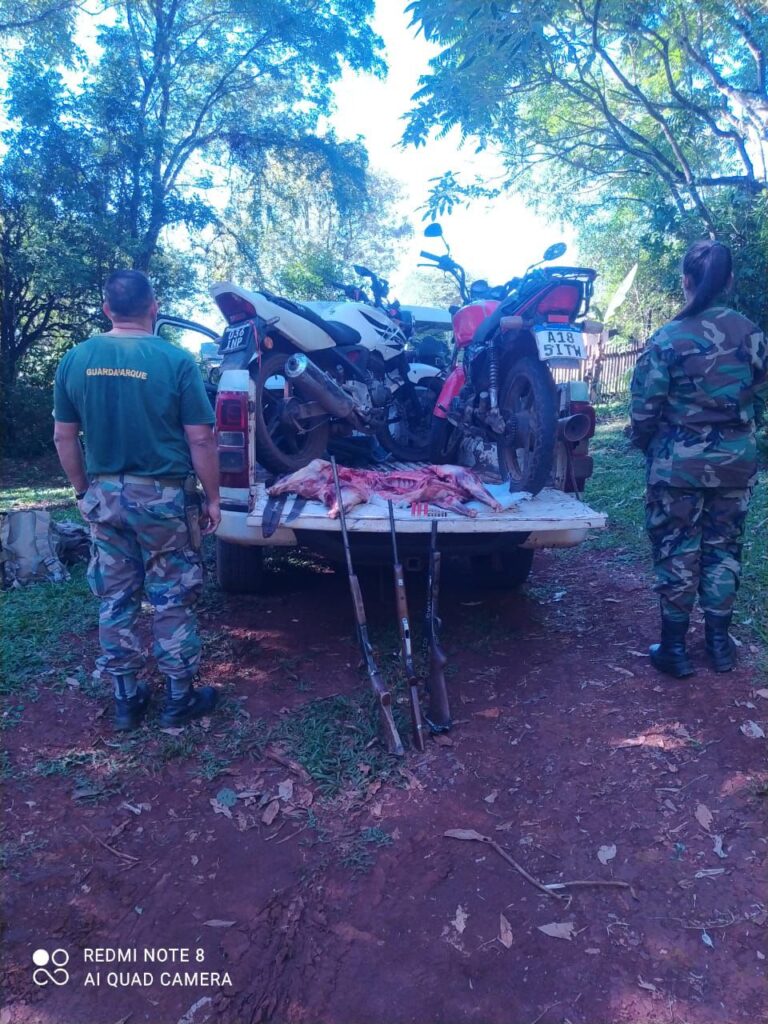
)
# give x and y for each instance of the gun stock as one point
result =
(439, 714)
(391, 736)
(404, 628)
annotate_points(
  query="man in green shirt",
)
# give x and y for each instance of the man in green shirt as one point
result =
(148, 427)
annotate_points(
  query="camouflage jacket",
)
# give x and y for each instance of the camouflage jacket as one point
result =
(698, 390)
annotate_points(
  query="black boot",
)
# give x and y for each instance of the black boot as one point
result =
(670, 656)
(194, 703)
(130, 711)
(721, 650)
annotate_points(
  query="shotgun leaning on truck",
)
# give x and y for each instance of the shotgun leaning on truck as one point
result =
(404, 628)
(389, 730)
(439, 714)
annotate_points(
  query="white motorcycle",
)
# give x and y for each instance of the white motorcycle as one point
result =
(323, 369)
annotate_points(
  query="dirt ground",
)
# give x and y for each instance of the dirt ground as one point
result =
(355, 908)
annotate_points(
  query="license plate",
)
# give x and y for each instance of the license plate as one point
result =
(235, 339)
(564, 342)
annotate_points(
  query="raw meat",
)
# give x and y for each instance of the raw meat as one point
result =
(315, 480)
(445, 486)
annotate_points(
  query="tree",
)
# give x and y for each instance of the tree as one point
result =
(294, 226)
(601, 91)
(120, 157)
(638, 122)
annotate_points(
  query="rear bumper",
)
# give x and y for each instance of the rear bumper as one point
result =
(235, 529)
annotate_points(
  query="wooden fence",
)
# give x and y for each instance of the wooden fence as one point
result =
(608, 371)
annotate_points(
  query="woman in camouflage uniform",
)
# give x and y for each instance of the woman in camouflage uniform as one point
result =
(697, 393)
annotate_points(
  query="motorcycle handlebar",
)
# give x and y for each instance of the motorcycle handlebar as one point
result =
(430, 256)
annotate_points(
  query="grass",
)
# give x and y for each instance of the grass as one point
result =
(334, 739)
(618, 489)
(358, 854)
(34, 621)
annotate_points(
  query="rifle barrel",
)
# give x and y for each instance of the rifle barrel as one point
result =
(392, 737)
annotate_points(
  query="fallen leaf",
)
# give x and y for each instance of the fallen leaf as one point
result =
(612, 600)
(505, 932)
(558, 929)
(443, 741)
(304, 797)
(463, 833)
(245, 822)
(704, 816)
(709, 872)
(492, 797)
(285, 790)
(172, 732)
(646, 985)
(751, 730)
(593, 951)
(706, 938)
(216, 922)
(71, 681)
(488, 713)
(606, 853)
(761, 693)
(271, 812)
(459, 921)
(624, 671)
(718, 847)
(220, 808)
(195, 860)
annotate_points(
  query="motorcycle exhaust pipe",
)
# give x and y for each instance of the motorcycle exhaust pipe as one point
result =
(574, 428)
(318, 387)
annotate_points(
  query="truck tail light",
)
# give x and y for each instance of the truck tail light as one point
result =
(588, 410)
(232, 437)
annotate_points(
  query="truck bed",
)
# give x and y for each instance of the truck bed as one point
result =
(552, 518)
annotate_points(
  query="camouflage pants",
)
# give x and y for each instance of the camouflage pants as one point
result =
(141, 542)
(696, 536)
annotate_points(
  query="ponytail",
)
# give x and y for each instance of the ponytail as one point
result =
(709, 266)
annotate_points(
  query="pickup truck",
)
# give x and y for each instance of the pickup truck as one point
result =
(500, 545)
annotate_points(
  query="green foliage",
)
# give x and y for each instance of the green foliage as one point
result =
(33, 623)
(335, 739)
(131, 151)
(308, 274)
(645, 126)
(26, 422)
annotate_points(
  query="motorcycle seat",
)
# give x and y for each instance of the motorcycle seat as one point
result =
(340, 333)
(489, 325)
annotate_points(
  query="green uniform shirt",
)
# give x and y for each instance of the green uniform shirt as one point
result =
(697, 391)
(133, 395)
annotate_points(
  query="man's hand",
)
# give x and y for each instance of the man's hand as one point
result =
(205, 460)
(210, 517)
(66, 437)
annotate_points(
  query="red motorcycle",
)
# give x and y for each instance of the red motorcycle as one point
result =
(500, 388)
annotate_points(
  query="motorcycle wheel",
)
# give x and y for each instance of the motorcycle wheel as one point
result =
(279, 447)
(528, 388)
(444, 441)
(406, 432)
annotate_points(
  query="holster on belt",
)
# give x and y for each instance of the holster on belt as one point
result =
(193, 507)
